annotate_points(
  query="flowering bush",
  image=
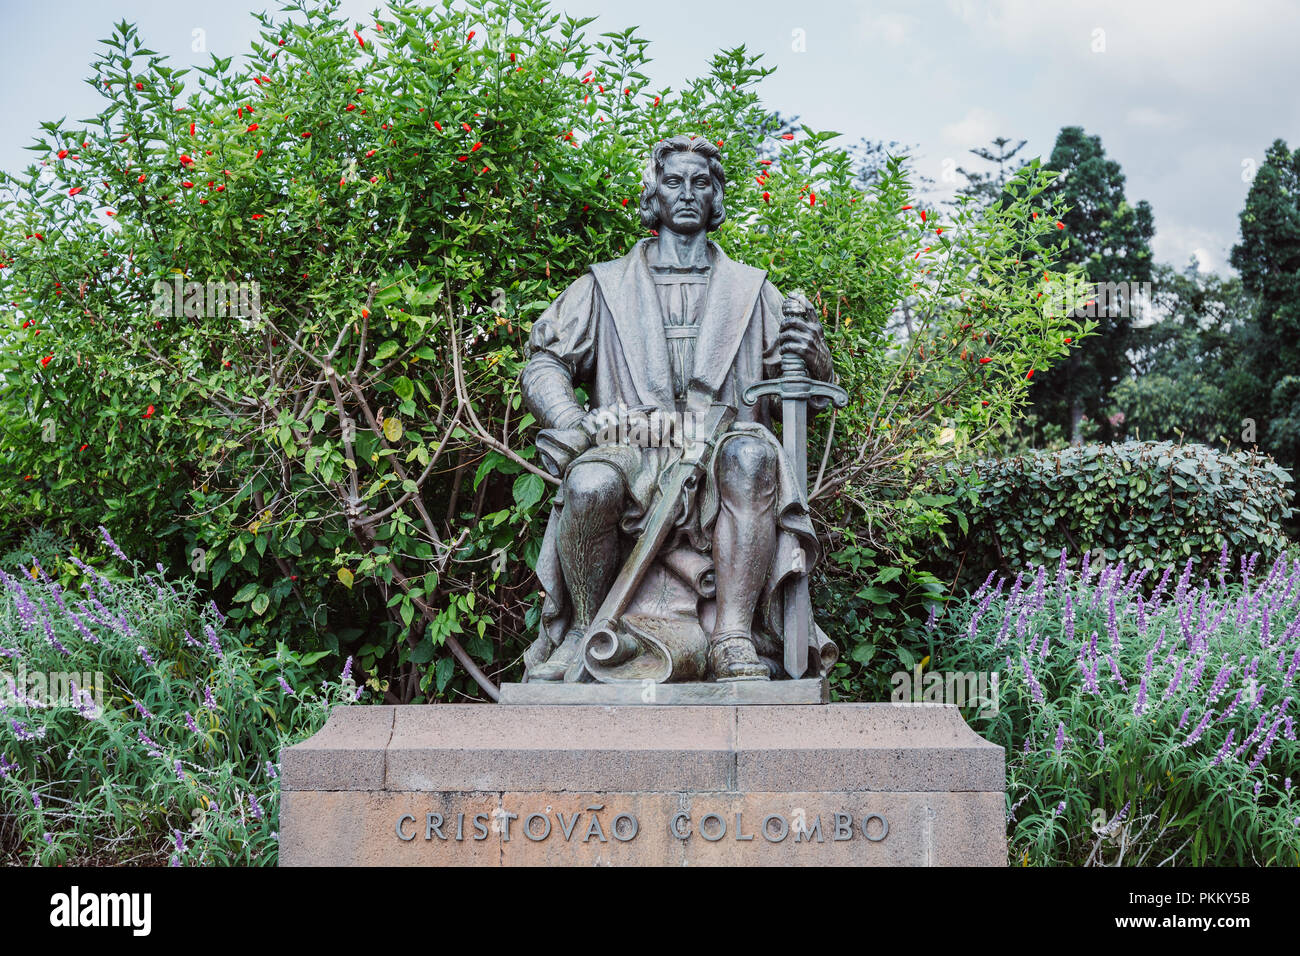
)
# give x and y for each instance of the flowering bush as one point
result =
(1142, 730)
(350, 466)
(132, 728)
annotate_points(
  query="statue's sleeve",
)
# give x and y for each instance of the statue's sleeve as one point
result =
(819, 367)
(562, 352)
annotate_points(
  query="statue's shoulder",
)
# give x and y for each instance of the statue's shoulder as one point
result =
(615, 271)
(736, 270)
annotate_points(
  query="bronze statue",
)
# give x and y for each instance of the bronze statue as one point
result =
(679, 542)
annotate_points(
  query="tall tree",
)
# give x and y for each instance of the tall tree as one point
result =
(1109, 240)
(1189, 366)
(986, 187)
(1268, 258)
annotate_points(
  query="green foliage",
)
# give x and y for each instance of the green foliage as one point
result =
(1141, 731)
(350, 467)
(136, 730)
(1144, 503)
(1191, 366)
(1108, 240)
(1268, 258)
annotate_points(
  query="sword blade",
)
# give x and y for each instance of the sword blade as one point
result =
(794, 437)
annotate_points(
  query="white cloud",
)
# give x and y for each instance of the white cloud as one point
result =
(1147, 117)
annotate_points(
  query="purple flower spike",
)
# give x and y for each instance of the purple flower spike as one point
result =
(112, 545)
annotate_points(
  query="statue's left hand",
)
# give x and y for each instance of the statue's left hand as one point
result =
(801, 333)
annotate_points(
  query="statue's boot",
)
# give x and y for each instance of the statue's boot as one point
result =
(732, 657)
(555, 666)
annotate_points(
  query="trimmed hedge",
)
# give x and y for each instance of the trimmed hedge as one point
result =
(1148, 504)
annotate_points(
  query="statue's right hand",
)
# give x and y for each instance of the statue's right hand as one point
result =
(557, 447)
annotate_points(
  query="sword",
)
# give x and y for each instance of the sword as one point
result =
(605, 639)
(794, 388)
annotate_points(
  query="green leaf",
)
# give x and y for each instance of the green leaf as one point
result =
(528, 490)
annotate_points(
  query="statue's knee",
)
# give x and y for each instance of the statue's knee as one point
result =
(592, 486)
(747, 467)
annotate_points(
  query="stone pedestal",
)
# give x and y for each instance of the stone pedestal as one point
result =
(468, 784)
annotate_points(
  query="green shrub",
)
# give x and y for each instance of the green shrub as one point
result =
(1141, 730)
(1148, 504)
(135, 729)
(352, 468)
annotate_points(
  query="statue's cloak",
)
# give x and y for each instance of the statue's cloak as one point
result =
(607, 329)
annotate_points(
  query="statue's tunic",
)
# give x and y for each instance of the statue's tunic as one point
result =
(675, 340)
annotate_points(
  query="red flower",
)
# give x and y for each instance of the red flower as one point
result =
(109, 212)
(1060, 225)
(191, 129)
(466, 127)
(476, 146)
(1030, 375)
(1068, 341)
(74, 190)
(922, 215)
(788, 136)
(139, 85)
(141, 179)
(374, 179)
(257, 215)
(252, 128)
(46, 361)
(365, 313)
(512, 58)
(148, 412)
(350, 107)
(939, 231)
(359, 40)
(369, 153)
(63, 153)
(437, 126)
(306, 134)
(656, 102)
(470, 37)
(83, 448)
(258, 154)
(187, 184)
(812, 199)
(985, 360)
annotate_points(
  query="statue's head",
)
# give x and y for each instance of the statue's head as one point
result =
(682, 186)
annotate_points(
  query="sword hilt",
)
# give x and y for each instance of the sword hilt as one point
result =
(794, 382)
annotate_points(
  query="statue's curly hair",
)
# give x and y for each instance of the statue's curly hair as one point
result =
(655, 165)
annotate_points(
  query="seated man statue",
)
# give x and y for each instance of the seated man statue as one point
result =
(669, 333)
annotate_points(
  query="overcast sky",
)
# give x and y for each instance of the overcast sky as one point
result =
(1185, 94)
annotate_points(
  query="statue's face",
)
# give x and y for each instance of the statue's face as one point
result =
(685, 193)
